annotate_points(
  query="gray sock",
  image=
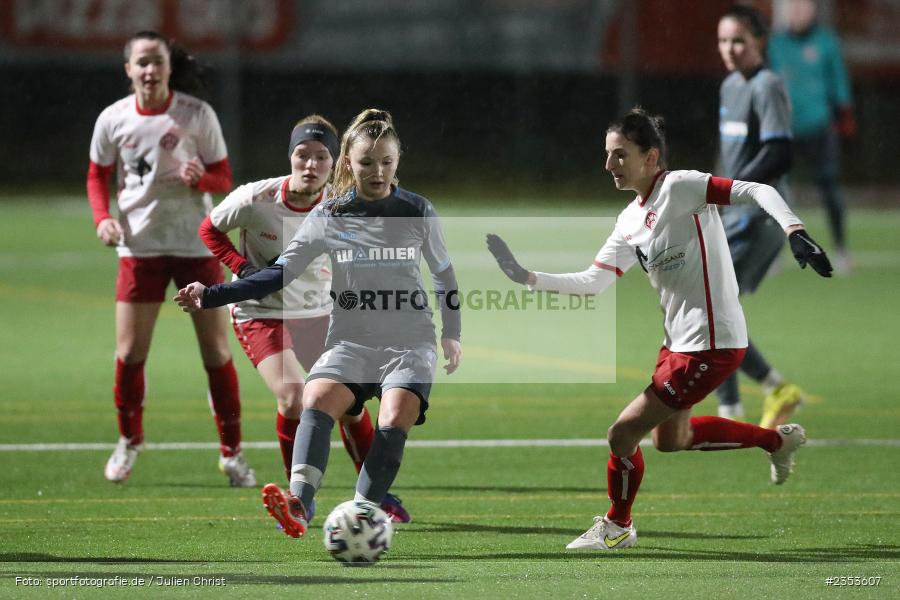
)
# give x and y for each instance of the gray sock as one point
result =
(754, 364)
(311, 448)
(728, 391)
(382, 464)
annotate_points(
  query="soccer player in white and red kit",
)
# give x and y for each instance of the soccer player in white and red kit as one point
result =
(287, 329)
(673, 230)
(169, 154)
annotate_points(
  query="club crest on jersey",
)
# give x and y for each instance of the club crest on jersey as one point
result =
(650, 220)
(168, 141)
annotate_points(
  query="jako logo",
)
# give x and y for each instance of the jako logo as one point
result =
(268, 236)
(349, 255)
(669, 387)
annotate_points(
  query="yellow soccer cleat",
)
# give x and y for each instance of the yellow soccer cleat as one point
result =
(780, 405)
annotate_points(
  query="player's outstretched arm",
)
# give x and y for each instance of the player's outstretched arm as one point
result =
(507, 262)
(190, 297)
(808, 252)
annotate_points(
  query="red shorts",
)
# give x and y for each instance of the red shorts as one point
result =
(682, 379)
(261, 338)
(146, 279)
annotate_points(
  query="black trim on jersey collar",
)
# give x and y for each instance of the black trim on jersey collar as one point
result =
(284, 198)
(754, 73)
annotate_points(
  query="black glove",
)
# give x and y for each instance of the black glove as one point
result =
(505, 259)
(247, 270)
(807, 251)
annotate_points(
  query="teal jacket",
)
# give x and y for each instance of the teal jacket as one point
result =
(813, 69)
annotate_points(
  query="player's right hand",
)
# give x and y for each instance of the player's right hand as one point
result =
(190, 297)
(191, 171)
(504, 256)
(109, 231)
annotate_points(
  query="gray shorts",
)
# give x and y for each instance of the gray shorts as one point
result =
(370, 371)
(754, 239)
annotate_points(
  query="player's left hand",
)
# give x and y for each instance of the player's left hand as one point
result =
(191, 172)
(190, 298)
(807, 251)
(505, 259)
(452, 352)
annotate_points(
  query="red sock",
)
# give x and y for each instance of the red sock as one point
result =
(623, 476)
(225, 401)
(716, 433)
(357, 438)
(287, 431)
(128, 394)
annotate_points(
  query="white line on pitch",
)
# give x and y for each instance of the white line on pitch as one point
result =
(414, 444)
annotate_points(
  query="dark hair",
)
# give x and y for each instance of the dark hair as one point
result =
(751, 18)
(643, 129)
(187, 75)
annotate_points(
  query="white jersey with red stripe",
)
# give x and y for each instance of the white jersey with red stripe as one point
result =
(267, 223)
(158, 212)
(677, 237)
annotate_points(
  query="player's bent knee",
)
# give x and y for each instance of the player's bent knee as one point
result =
(290, 398)
(669, 443)
(666, 445)
(325, 403)
(131, 357)
(215, 358)
(621, 443)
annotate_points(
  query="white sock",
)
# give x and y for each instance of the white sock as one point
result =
(772, 381)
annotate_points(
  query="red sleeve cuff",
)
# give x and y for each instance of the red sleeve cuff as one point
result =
(98, 177)
(607, 267)
(217, 178)
(220, 244)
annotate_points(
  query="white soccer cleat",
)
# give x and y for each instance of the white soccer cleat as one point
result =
(238, 471)
(120, 463)
(604, 535)
(792, 437)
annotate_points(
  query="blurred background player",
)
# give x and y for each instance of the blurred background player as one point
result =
(705, 333)
(169, 154)
(287, 329)
(388, 351)
(808, 56)
(755, 145)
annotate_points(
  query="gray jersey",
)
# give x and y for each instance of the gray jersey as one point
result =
(375, 249)
(751, 112)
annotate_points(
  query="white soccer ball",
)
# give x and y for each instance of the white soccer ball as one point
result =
(357, 533)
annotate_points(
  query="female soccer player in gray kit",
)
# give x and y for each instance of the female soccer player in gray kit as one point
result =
(755, 140)
(381, 339)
